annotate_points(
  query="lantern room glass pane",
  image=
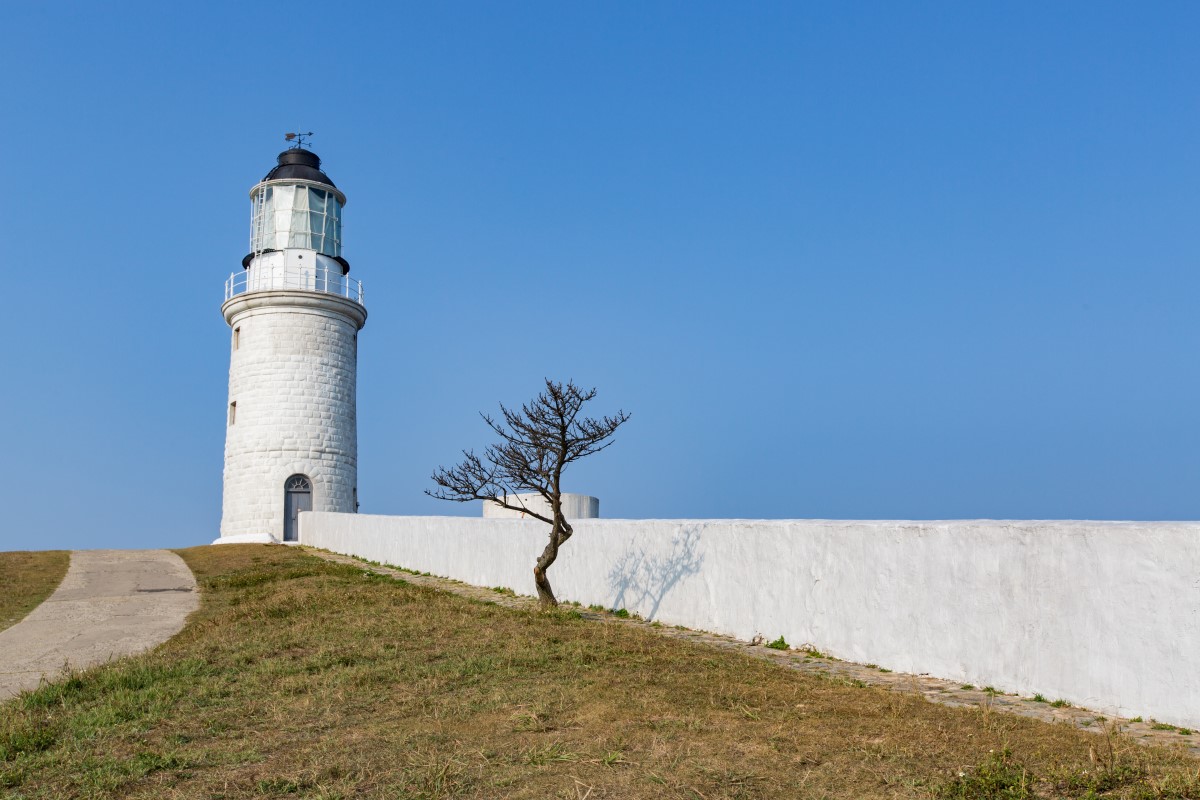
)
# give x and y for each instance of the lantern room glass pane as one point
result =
(298, 232)
(316, 223)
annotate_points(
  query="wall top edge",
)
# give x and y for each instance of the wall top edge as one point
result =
(831, 523)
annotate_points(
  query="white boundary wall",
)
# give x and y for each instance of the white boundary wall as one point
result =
(1105, 615)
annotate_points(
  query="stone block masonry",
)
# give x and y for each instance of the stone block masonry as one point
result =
(1104, 615)
(292, 379)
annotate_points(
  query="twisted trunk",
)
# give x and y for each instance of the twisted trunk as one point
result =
(559, 533)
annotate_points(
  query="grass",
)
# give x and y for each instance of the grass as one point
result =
(26, 579)
(298, 678)
(998, 777)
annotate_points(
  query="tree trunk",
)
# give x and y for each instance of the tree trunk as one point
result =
(558, 534)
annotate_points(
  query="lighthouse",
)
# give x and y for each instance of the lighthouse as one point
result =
(294, 313)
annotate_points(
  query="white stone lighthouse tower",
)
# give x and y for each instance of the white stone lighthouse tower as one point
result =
(291, 441)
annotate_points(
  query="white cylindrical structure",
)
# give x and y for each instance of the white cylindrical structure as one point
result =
(574, 506)
(291, 442)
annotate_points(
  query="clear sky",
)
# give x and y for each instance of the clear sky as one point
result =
(877, 260)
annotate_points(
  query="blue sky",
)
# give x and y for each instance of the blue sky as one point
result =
(875, 260)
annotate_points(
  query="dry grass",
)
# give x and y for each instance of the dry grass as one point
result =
(300, 678)
(26, 579)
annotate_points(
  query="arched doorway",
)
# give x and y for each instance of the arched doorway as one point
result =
(297, 497)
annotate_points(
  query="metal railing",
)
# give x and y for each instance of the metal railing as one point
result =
(307, 280)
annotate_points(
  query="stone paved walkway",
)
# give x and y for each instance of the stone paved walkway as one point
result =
(111, 603)
(933, 689)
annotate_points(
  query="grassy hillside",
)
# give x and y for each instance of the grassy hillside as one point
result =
(300, 678)
(26, 579)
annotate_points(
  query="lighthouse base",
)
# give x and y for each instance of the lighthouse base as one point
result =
(248, 538)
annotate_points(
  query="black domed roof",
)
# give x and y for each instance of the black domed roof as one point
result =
(299, 164)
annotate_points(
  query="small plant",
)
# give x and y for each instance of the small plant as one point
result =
(997, 778)
(884, 669)
(1106, 777)
(967, 686)
(1184, 731)
(1137, 719)
(1162, 726)
(1060, 703)
(552, 753)
(620, 612)
(594, 607)
(814, 652)
(526, 719)
(281, 786)
(1040, 698)
(778, 644)
(992, 690)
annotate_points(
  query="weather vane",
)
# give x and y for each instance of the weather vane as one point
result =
(298, 138)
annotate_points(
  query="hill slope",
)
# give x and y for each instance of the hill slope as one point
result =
(301, 678)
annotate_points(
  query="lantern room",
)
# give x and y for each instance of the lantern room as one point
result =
(297, 207)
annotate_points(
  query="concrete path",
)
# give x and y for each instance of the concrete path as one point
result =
(111, 603)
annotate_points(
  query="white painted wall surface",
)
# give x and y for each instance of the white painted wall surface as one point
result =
(293, 377)
(1105, 615)
(574, 506)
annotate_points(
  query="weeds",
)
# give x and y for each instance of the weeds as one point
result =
(999, 777)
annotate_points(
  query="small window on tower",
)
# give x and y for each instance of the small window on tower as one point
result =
(233, 412)
(237, 337)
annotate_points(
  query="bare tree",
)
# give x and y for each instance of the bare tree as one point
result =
(537, 442)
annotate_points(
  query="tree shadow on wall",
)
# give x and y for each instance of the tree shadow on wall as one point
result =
(637, 578)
